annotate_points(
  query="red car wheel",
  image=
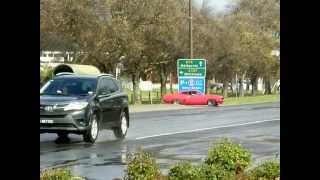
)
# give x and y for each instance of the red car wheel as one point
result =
(175, 101)
(212, 103)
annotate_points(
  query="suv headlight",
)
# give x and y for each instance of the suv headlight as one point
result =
(75, 106)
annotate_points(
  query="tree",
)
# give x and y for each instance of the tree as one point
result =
(67, 25)
(127, 17)
(149, 36)
(258, 22)
(161, 37)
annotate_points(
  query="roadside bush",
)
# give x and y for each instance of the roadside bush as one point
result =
(269, 170)
(184, 171)
(214, 172)
(141, 166)
(187, 171)
(226, 161)
(230, 156)
(45, 75)
(58, 174)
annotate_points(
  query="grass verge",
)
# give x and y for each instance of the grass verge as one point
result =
(251, 100)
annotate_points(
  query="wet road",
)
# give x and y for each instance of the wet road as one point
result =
(171, 136)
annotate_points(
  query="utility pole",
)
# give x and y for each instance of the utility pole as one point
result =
(190, 29)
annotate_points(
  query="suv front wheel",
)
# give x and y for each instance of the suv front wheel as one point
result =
(121, 131)
(92, 133)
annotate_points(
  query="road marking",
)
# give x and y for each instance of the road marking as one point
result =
(209, 128)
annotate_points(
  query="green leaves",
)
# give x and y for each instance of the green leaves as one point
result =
(46, 74)
(148, 32)
(184, 171)
(58, 174)
(142, 166)
(230, 156)
(265, 171)
(226, 160)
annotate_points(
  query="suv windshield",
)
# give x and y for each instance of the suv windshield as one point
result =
(69, 86)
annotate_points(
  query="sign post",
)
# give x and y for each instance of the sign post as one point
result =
(191, 74)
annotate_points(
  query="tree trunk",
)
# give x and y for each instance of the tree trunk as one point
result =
(206, 85)
(254, 84)
(232, 90)
(102, 67)
(248, 86)
(163, 80)
(75, 57)
(135, 86)
(225, 88)
(267, 85)
(241, 91)
(171, 90)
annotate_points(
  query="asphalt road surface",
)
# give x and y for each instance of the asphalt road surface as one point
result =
(171, 136)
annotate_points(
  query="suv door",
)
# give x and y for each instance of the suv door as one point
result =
(119, 100)
(106, 101)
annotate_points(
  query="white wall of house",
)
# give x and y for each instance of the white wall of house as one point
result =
(54, 56)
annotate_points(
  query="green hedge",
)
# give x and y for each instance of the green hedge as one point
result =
(185, 171)
(230, 156)
(45, 75)
(215, 172)
(269, 170)
(142, 166)
(226, 161)
(58, 174)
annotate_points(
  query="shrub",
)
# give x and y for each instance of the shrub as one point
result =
(214, 172)
(266, 171)
(230, 156)
(58, 174)
(45, 75)
(142, 166)
(184, 171)
(187, 171)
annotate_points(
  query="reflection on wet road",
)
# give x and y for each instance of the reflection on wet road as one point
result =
(171, 136)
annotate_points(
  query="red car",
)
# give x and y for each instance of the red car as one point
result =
(193, 98)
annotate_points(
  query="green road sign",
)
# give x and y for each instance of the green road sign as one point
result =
(192, 72)
(191, 67)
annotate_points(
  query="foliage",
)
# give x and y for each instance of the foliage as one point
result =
(147, 37)
(266, 171)
(225, 161)
(185, 171)
(230, 156)
(46, 74)
(142, 166)
(214, 172)
(58, 174)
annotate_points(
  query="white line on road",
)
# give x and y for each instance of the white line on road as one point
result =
(209, 128)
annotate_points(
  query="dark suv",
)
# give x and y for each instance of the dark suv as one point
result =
(83, 104)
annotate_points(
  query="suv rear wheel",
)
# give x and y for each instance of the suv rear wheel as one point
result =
(92, 133)
(121, 131)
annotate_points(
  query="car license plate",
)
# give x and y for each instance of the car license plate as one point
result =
(46, 121)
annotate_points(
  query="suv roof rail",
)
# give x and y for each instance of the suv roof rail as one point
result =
(105, 75)
(64, 73)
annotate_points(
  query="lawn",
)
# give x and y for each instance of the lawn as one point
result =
(145, 97)
(251, 99)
